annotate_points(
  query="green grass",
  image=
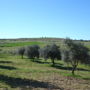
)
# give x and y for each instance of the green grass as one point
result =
(15, 68)
(87, 44)
(20, 44)
(27, 65)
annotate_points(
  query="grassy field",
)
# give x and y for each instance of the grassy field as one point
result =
(25, 74)
(18, 74)
(16, 44)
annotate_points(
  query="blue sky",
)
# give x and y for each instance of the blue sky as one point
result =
(45, 18)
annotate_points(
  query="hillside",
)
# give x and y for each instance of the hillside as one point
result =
(26, 74)
(44, 40)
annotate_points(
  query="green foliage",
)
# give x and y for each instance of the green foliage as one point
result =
(75, 53)
(21, 51)
(52, 52)
(32, 51)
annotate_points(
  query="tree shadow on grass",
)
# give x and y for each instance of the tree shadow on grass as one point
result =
(87, 79)
(18, 82)
(5, 62)
(40, 62)
(68, 68)
(7, 67)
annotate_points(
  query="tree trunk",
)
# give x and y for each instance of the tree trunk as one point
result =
(22, 57)
(53, 62)
(45, 59)
(74, 68)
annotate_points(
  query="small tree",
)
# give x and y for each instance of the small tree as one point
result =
(44, 52)
(21, 51)
(76, 53)
(32, 51)
(52, 52)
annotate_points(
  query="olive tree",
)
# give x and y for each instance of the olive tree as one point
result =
(44, 52)
(52, 52)
(21, 51)
(32, 51)
(75, 54)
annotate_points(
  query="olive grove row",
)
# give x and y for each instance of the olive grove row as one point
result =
(72, 52)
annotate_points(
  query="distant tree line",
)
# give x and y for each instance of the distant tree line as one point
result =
(72, 53)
